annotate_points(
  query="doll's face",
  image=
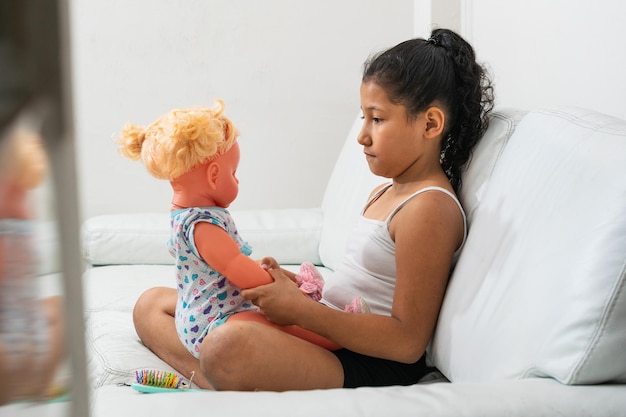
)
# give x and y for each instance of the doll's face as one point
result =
(227, 182)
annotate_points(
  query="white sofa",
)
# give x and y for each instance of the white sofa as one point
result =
(534, 319)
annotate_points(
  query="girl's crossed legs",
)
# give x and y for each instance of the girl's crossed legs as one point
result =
(245, 353)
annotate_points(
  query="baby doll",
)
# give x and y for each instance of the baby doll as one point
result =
(30, 327)
(197, 151)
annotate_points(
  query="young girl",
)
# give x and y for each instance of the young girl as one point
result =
(197, 151)
(425, 105)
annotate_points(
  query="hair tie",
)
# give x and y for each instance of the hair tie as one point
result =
(433, 41)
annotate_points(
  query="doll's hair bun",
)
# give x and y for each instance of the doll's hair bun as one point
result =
(179, 140)
(130, 140)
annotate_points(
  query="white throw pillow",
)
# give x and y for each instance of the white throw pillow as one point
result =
(539, 288)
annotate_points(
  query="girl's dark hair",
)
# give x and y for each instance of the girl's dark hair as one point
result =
(439, 71)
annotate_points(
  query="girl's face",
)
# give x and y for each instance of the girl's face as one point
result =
(391, 142)
(227, 182)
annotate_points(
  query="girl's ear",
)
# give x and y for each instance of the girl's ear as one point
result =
(213, 173)
(435, 121)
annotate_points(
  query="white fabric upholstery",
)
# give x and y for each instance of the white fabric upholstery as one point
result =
(539, 288)
(536, 302)
(484, 158)
(128, 239)
(527, 398)
(115, 351)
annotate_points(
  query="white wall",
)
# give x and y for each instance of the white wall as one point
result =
(552, 52)
(289, 72)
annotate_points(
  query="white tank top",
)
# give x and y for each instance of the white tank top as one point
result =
(369, 267)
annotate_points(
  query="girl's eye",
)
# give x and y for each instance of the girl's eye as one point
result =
(373, 119)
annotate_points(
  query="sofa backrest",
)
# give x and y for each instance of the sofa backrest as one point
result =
(346, 194)
(484, 157)
(539, 289)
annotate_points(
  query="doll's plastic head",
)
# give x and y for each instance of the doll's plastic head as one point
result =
(23, 159)
(179, 141)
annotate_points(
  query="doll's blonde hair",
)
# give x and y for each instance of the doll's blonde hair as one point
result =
(179, 140)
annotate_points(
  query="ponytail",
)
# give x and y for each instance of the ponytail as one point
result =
(474, 101)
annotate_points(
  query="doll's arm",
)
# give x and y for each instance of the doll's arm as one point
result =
(219, 250)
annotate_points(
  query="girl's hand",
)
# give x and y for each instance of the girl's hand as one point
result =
(279, 301)
(269, 263)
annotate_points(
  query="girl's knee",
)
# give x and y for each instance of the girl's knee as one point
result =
(143, 306)
(224, 355)
(151, 301)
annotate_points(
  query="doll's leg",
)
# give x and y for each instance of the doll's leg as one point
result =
(258, 317)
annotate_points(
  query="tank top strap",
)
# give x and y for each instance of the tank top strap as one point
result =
(376, 196)
(423, 190)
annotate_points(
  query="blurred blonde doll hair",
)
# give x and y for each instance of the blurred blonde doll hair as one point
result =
(179, 141)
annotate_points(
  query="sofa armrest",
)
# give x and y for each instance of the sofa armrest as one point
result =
(290, 235)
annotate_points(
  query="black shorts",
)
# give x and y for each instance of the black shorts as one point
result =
(366, 371)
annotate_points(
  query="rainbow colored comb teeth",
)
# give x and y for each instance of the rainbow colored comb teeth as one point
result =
(153, 381)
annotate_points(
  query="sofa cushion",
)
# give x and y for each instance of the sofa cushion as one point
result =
(114, 351)
(539, 288)
(527, 398)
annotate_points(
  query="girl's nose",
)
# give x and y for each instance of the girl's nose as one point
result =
(364, 137)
